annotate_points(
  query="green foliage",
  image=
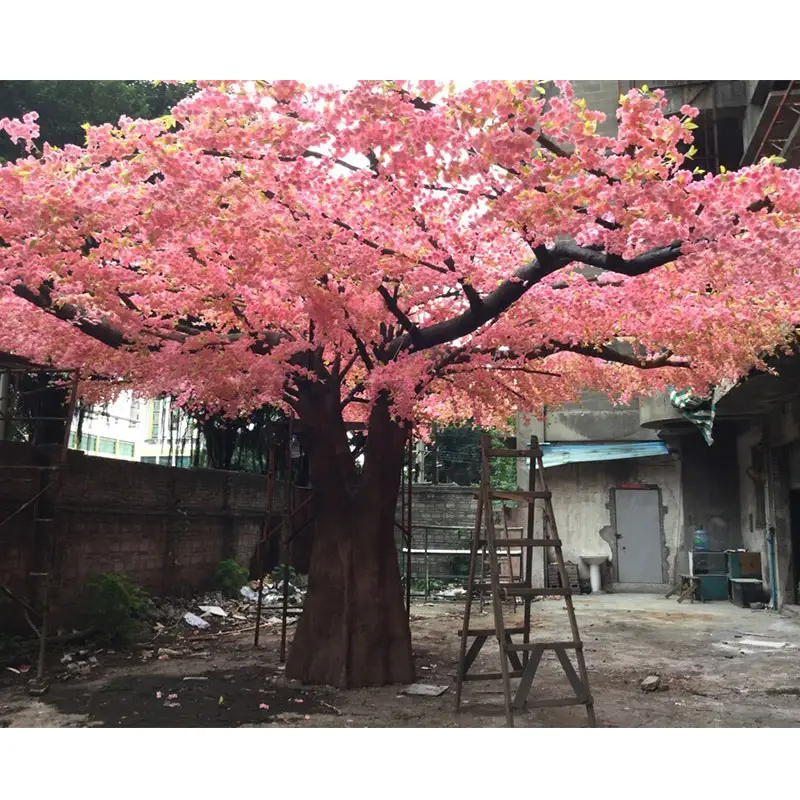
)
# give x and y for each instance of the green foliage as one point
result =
(458, 565)
(503, 470)
(459, 456)
(229, 578)
(65, 106)
(434, 585)
(14, 650)
(117, 607)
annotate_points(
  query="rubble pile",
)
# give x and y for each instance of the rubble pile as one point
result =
(179, 627)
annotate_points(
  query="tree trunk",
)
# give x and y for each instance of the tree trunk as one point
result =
(354, 630)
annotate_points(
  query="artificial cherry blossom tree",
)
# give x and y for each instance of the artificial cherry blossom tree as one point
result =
(385, 253)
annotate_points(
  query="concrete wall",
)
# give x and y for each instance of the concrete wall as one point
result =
(582, 503)
(595, 418)
(711, 488)
(778, 435)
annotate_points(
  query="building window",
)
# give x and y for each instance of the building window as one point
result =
(107, 446)
(183, 461)
(148, 459)
(164, 461)
(155, 419)
(125, 449)
(88, 443)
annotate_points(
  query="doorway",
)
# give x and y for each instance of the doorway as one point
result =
(638, 534)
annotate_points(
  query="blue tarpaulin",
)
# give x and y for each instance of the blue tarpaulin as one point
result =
(555, 454)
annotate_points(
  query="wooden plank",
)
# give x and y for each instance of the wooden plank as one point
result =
(505, 451)
(546, 646)
(522, 543)
(491, 676)
(527, 497)
(508, 649)
(572, 676)
(556, 702)
(473, 651)
(688, 591)
(511, 589)
(527, 676)
(490, 631)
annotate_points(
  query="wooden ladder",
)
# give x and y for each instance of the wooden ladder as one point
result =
(511, 666)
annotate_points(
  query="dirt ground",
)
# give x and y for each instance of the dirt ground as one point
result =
(720, 666)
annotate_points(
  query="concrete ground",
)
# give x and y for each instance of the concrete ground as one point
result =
(719, 665)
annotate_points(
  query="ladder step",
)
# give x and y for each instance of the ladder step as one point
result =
(505, 451)
(555, 702)
(499, 542)
(528, 497)
(490, 631)
(522, 646)
(521, 590)
(492, 676)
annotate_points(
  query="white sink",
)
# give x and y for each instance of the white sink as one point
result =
(594, 562)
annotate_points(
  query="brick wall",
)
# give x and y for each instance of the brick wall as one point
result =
(166, 528)
(169, 528)
(444, 517)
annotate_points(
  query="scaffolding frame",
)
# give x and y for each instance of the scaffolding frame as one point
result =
(287, 529)
(45, 499)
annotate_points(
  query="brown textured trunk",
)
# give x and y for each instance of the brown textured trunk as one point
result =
(354, 629)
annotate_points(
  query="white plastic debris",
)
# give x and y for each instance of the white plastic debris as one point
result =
(215, 611)
(425, 690)
(195, 621)
(762, 643)
(249, 594)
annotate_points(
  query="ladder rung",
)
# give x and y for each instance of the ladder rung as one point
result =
(520, 495)
(521, 590)
(490, 631)
(505, 451)
(499, 542)
(492, 676)
(522, 646)
(554, 702)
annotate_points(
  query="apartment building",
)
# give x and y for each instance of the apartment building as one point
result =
(150, 431)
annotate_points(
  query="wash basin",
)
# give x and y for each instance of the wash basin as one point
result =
(594, 562)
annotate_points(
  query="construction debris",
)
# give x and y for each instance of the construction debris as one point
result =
(651, 683)
(215, 611)
(426, 689)
(195, 621)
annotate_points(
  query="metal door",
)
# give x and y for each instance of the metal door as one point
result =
(638, 535)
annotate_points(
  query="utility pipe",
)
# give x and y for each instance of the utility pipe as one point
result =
(773, 569)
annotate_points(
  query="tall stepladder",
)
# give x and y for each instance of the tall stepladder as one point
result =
(531, 651)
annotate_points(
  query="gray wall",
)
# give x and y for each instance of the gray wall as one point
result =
(782, 431)
(711, 488)
(595, 418)
(583, 510)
